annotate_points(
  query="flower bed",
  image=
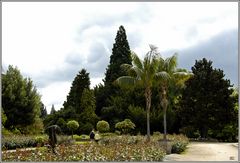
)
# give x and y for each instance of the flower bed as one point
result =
(91, 152)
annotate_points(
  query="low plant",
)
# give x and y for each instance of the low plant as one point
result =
(103, 126)
(91, 152)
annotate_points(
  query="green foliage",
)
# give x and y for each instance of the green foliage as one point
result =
(21, 141)
(72, 125)
(141, 73)
(179, 147)
(80, 82)
(4, 117)
(88, 107)
(20, 99)
(103, 126)
(53, 111)
(229, 133)
(207, 95)
(105, 94)
(138, 116)
(77, 138)
(120, 54)
(43, 111)
(86, 127)
(125, 126)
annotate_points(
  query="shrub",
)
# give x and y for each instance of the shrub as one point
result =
(125, 126)
(178, 147)
(77, 137)
(72, 125)
(85, 137)
(18, 141)
(103, 126)
(108, 134)
(157, 133)
(41, 140)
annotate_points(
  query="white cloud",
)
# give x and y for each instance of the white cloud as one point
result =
(52, 41)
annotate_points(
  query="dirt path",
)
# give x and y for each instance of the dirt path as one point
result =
(201, 151)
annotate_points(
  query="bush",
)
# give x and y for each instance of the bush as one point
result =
(108, 134)
(178, 147)
(157, 133)
(72, 125)
(41, 140)
(77, 137)
(85, 137)
(179, 144)
(19, 141)
(125, 126)
(103, 126)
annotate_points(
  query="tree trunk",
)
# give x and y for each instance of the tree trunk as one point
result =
(148, 106)
(164, 104)
(165, 126)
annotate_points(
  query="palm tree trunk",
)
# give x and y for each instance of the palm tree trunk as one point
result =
(164, 104)
(165, 126)
(148, 106)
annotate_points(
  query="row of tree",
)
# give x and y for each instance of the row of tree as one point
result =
(205, 105)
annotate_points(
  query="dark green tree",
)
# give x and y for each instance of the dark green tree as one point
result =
(88, 105)
(120, 54)
(20, 99)
(206, 103)
(43, 111)
(80, 82)
(53, 111)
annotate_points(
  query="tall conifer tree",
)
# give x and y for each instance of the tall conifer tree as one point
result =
(80, 82)
(120, 54)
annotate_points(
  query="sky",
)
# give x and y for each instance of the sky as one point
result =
(50, 42)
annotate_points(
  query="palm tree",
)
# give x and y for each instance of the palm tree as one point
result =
(142, 73)
(168, 74)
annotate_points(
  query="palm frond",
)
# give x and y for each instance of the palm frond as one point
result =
(136, 60)
(171, 63)
(126, 67)
(125, 81)
(163, 75)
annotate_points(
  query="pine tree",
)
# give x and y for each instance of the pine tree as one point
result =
(53, 111)
(87, 115)
(20, 99)
(206, 102)
(80, 82)
(43, 111)
(121, 54)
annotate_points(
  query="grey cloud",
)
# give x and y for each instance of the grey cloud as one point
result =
(221, 49)
(138, 16)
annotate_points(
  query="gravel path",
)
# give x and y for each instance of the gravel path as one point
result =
(206, 151)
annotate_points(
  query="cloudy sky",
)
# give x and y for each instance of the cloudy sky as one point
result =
(50, 42)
